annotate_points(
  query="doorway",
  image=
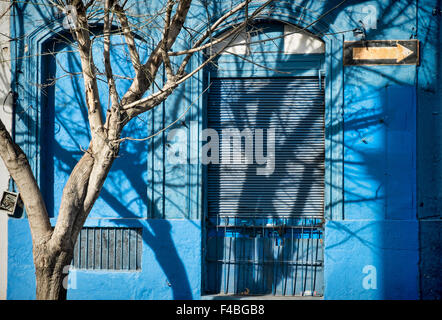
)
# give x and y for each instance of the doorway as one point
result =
(264, 231)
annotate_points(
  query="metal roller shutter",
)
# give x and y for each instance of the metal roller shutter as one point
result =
(294, 107)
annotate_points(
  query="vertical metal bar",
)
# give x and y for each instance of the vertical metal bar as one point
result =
(239, 257)
(316, 261)
(122, 248)
(115, 249)
(137, 236)
(94, 249)
(223, 255)
(234, 263)
(273, 257)
(136, 249)
(278, 255)
(306, 265)
(302, 252)
(229, 264)
(243, 258)
(101, 249)
(263, 268)
(79, 250)
(128, 248)
(311, 263)
(87, 248)
(255, 262)
(227, 278)
(284, 267)
(281, 244)
(292, 256)
(108, 249)
(297, 263)
(217, 258)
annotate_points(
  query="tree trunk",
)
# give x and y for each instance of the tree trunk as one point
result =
(51, 272)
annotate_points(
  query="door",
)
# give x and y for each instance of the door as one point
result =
(264, 230)
(65, 130)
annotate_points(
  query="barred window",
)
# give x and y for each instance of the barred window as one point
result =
(108, 249)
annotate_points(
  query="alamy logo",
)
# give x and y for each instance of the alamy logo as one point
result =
(70, 280)
(370, 19)
(226, 148)
(370, 280)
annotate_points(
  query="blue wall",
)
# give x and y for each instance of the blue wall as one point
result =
(379, 226)
(170, 269)
(381, 253)
(383, 169)
(429, 140)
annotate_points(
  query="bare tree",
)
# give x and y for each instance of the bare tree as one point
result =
(53, 246)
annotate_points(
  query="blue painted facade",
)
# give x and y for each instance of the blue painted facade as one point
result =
(383, 177)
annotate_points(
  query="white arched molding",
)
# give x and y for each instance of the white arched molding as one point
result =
(237, 44)
(298, 41)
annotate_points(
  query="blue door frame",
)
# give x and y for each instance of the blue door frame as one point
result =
(295, 65)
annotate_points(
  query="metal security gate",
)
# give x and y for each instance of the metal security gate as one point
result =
(264, 231)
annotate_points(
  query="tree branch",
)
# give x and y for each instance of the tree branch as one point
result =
(164, 43)
(129, 38)
(197, 46)
(72, 200)
(89, 77)
(18, 166)
(140, 85)
(112, 124)
(144, 104)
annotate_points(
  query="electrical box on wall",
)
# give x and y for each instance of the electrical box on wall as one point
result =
(9, 202)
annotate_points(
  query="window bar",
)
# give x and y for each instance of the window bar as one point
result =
(227, 279)
(217, 236)
(136, 249)
(263, 273)
(298, 240)
(316, 259)
(312, 261)
(274, 239)
(101, 249)
(278, 257)
(306, 265)
(122, 249)
(234, 264)
(255, 261)
(302, 252)
(93, 253)
(224, 256)
(87, 249)
(284, 266)
(115, 249)
(128, 248)
(281, 251)
(243, 258)
(291, 254)
(108, 249)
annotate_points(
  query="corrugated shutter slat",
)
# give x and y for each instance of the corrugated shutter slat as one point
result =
(295, 108)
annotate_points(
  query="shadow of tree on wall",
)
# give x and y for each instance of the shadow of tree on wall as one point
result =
(270, 271)
(124, 194)
(368, 168)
